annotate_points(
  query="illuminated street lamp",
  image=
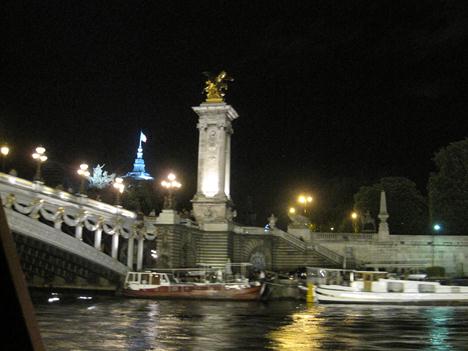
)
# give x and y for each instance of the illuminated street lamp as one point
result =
(354, 217)
(84, 174)
(4, 151)
(170, 184)
(305, 200)
(120, 186)
(40, 157)
(292, 210)
(436, 229)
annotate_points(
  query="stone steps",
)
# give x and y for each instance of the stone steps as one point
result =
(288, 257)
(213, 249)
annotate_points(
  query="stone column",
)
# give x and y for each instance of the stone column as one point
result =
(227, 172)
(140, 254)
(58, 224)
(211, 204)
(202, 131)
(221, 160)
(115, 245)
(98, 238)
(131, 244)
(79, 231)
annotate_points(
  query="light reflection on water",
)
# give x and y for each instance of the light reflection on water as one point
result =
(109, 323)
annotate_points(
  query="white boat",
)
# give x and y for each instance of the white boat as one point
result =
(375, 288)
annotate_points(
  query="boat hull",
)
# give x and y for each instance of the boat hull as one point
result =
(332, 296)
(211, 292)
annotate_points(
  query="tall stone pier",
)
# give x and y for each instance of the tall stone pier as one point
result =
(212, 202)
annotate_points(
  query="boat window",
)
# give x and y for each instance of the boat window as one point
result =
(131, 277)
(394, 287)
(172, 279)
(155, 279)
(145, 278)
(426, 288)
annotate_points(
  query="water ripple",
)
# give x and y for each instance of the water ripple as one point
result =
(109, 323)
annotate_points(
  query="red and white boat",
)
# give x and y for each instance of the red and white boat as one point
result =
(166, 285)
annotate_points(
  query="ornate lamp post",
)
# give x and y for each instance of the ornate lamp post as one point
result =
(354, 217)
(170, 184)
(40, 157)
(436, 229)
(305, 201)
(84, 174)
(120, 186)
(4, 151)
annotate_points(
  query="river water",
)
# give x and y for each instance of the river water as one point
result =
(74, 322)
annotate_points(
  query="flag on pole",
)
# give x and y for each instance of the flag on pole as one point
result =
(142, 137)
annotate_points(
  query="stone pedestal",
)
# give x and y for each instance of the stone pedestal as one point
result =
(168, 217)
(211, 203)
(213, 214)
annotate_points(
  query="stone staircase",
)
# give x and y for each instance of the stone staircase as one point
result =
(292, 253)
(213, 249)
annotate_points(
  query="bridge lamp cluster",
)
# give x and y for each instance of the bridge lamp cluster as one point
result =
(83, 170)
(84, 174)
(120, 187)
(304, 200)
(171, 182)
(40, 157)
(354, 217)
(4, 151)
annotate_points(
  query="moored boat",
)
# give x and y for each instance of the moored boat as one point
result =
(374, 288)
(166, 285)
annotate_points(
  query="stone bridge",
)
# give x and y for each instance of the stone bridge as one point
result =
(71, 241)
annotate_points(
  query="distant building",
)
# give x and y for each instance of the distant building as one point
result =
(139, 172)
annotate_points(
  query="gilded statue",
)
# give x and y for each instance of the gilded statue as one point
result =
(215, 86)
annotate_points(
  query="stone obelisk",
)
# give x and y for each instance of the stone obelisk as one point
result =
(384, 231)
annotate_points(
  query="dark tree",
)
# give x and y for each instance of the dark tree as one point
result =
(140, 196)
(406, 206)
(334, 203)
(448, 188)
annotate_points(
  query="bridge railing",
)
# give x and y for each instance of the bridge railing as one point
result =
(327, 253)
(36, 200)
(291, 239)
(344, 236)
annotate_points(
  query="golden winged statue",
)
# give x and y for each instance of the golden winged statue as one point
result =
(215, 86)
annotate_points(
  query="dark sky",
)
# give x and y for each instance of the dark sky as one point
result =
(324, 89)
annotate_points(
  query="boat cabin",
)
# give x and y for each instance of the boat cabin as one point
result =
(149, 278)
(332, 276)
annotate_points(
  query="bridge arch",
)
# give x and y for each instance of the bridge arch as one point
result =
(258, 253)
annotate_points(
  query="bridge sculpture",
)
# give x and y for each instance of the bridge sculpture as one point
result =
(67, 223)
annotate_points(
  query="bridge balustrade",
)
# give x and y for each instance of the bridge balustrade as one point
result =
(58, 207)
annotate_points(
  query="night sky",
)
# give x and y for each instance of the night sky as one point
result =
(324, 89)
